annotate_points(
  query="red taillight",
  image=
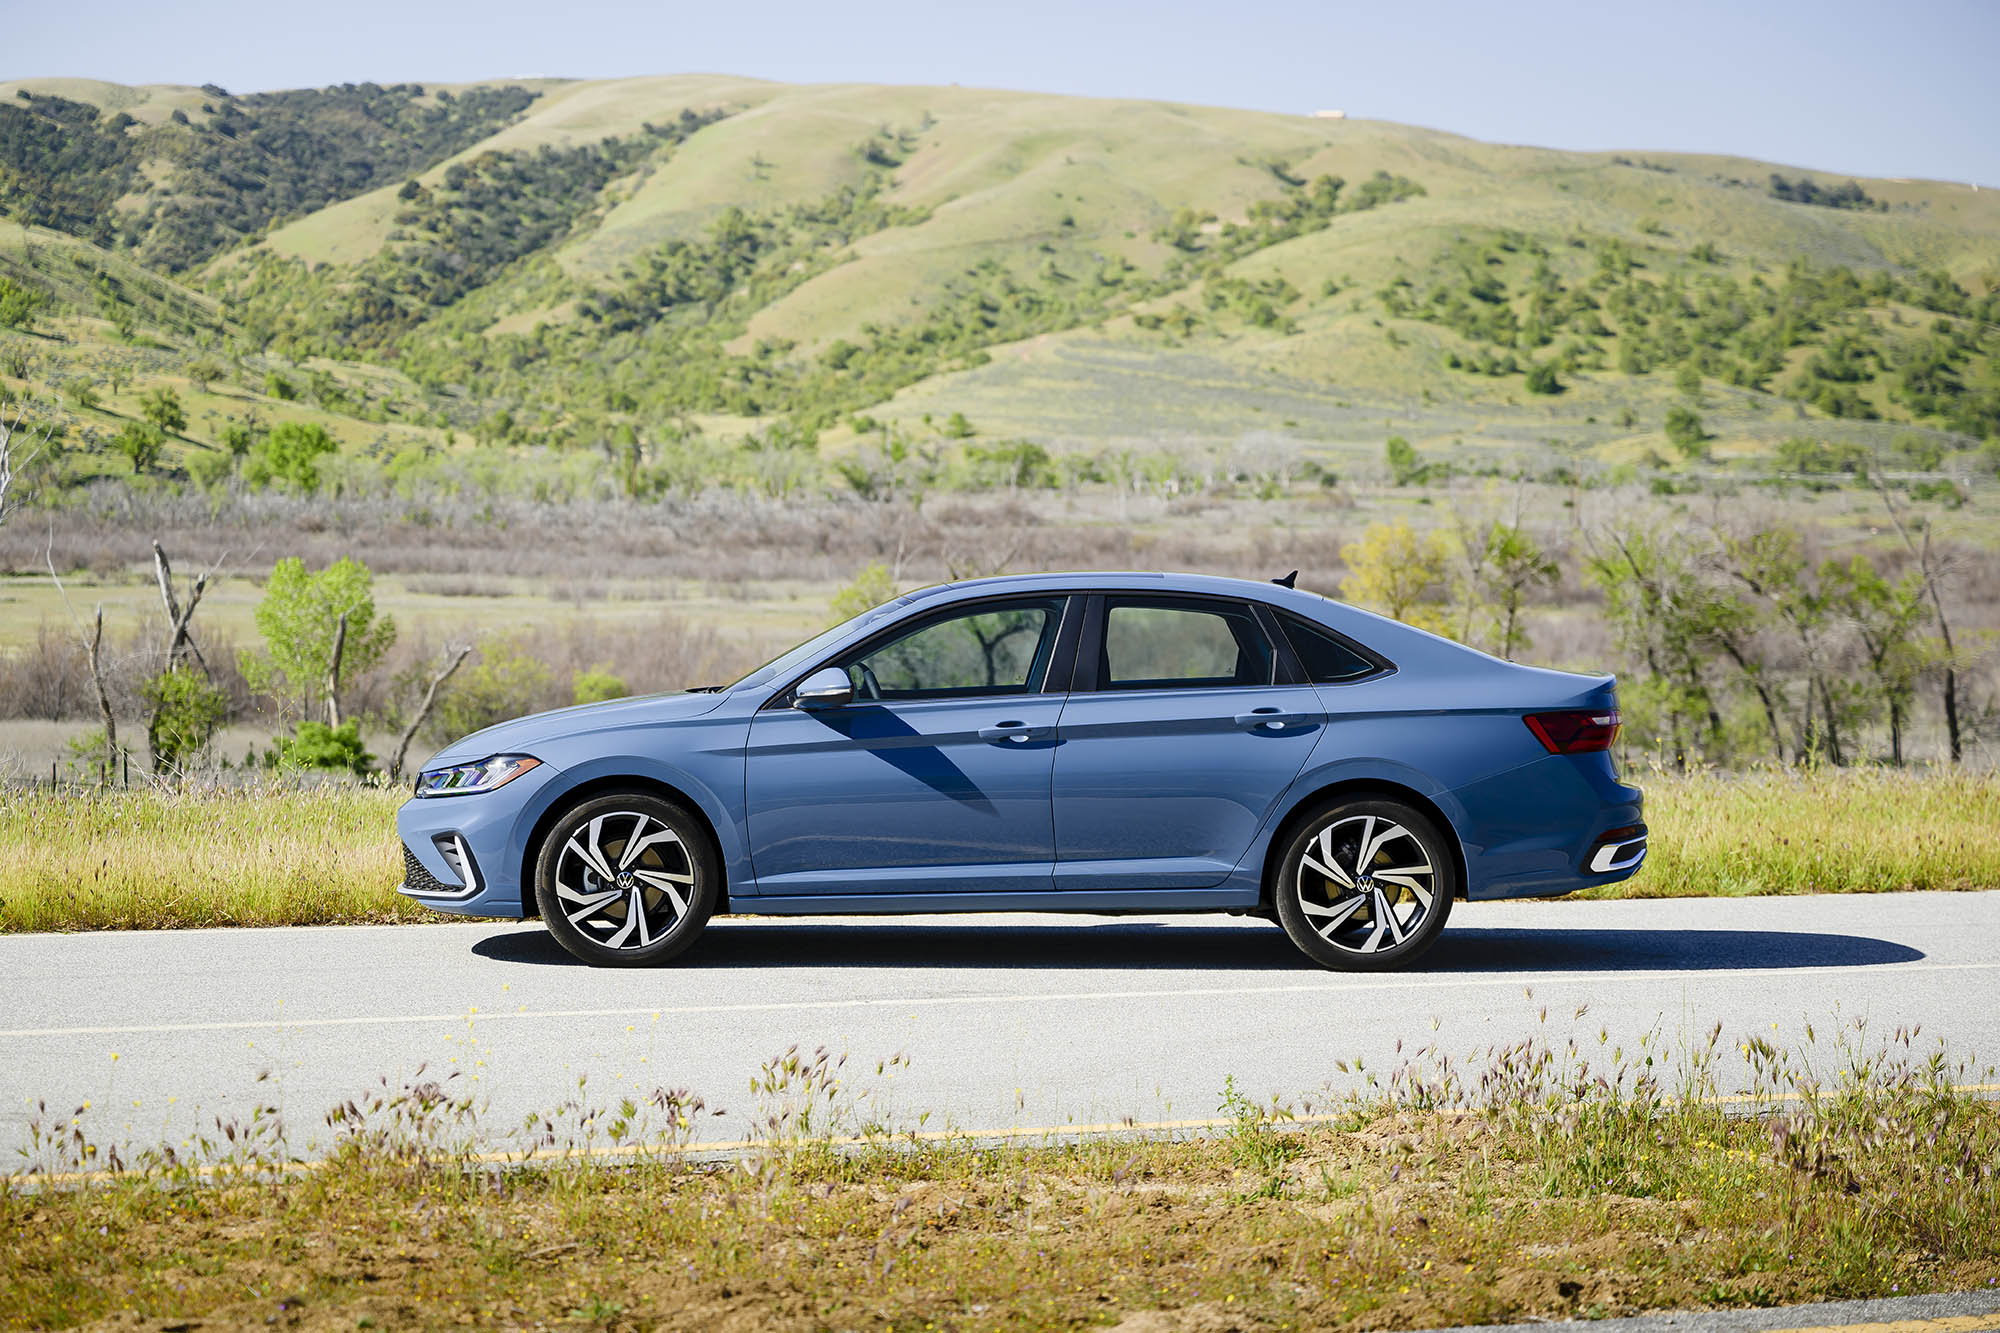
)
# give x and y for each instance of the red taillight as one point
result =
(1579, 731)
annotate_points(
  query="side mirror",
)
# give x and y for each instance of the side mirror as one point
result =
(827, 687)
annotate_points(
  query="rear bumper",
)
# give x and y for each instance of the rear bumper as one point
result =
(1551, 827)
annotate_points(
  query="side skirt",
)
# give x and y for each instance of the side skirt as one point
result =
(1067, 900)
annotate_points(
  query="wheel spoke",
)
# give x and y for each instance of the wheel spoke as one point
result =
(588, 905)
(659, 879)
(1335, 917)
(1333, 868)
(642, 840)
(1386, 911)
(593, 852)
(636, 911)
(1371, 843)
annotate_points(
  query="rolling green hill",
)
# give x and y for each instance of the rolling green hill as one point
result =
(687, 270)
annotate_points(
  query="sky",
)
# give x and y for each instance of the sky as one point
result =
(1884, 89)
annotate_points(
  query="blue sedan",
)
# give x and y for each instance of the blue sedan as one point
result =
(1081, 742)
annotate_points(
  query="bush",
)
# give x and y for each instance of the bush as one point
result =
(141, 443)
(163, 408)
(315, 745)
(1542, 378)
(598, 685)
(506, 683)
(870, 588)
(1685, 433)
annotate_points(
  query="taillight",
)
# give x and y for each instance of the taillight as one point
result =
(1578, 731)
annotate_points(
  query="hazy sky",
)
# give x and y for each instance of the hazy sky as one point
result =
(1892, 89)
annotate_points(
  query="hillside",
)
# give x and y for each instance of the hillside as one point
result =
(709, 278)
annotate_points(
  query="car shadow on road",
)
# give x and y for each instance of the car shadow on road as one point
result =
(1150, 945)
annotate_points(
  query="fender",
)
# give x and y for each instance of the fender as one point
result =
(627, 769)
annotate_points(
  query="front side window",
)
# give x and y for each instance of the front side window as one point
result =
(1190, 645)
(994, 649)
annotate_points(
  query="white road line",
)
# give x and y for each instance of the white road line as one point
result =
(1335, 989)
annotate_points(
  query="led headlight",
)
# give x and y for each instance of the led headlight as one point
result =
(484, 775)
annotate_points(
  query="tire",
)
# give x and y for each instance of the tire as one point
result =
(615, 906)
(1380, 914)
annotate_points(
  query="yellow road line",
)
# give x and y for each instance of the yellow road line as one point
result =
(1958, 1323)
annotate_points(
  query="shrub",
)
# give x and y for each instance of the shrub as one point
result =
(289, 456)
(598, 685)
(507, 682)
(315, 745)
(141, 443)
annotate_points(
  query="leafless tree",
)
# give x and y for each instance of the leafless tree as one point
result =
(19, 446)
(423, 712)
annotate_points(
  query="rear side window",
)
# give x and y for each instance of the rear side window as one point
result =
(1327, 659)
(1190, 645)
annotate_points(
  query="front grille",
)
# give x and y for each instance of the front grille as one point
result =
(417, 880)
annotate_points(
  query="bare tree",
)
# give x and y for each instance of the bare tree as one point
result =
(424, 709)
(180, 640)
(93, 643)
(18, 448)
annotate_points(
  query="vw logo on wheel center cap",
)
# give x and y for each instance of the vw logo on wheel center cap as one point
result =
(625, 880)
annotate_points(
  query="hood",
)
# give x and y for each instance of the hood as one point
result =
(523, 734)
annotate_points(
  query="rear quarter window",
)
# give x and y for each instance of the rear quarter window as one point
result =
(1327, 658)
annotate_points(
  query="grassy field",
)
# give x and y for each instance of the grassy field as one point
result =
(1541, 1182)
(141, 859)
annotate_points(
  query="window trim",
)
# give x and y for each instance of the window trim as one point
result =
(1054, 676)
(1380, 665)
(1090, 649)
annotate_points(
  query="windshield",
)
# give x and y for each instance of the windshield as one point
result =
(796, 659)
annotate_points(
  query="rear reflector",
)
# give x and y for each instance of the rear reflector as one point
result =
(1583, 731)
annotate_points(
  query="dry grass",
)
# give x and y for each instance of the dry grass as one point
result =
(1535, 1182)
(276, 855)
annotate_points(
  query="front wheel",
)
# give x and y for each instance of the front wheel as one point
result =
(626, 879)
(1365, 884)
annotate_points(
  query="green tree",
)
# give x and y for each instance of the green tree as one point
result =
(1406, 465)
(18, 304)
(1887, 616)
(289, 456)
(300, 618)
(1503, 567)
(1398, 572)
(1542, 378)
(203, 372)
(162, 407)
(187, 711)
(141, 443)
(958, 428)
(1685, 433)
(1688, 380)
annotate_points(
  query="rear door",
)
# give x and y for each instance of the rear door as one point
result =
(1188, 718)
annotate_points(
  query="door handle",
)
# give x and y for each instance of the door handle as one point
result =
(1015, 732)
(1274, 719)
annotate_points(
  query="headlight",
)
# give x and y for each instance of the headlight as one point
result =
(484, 775)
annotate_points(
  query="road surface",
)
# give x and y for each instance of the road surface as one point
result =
(1007, 1023)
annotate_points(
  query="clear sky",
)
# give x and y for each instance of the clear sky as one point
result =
(1889, 89)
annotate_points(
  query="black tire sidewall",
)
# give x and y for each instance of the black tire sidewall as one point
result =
(1284, 892)
(702, 898)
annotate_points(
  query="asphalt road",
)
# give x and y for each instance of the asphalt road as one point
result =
(1007, 1023)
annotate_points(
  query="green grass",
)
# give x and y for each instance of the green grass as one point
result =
(277, 856)
(1540, 1182)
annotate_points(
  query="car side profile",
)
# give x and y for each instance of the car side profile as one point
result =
(1079, 742)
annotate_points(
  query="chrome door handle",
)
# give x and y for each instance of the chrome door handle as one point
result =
(1274, 719)
(1016, 732)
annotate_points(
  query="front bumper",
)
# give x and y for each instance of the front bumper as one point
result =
(463, 854)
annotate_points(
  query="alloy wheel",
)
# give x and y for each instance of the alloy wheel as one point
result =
(1365, 883)
(624, 880)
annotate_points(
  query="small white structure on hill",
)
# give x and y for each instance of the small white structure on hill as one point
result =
(1329, 115)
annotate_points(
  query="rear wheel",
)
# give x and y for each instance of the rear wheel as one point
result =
(1365, 884)
(626, 879)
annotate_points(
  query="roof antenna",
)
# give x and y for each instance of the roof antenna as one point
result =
(1290, 580)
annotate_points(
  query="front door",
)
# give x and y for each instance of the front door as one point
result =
(1176, 744)
(935, 779)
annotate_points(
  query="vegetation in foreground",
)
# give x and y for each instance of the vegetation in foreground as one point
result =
(1542, 1180)
(281, 855)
